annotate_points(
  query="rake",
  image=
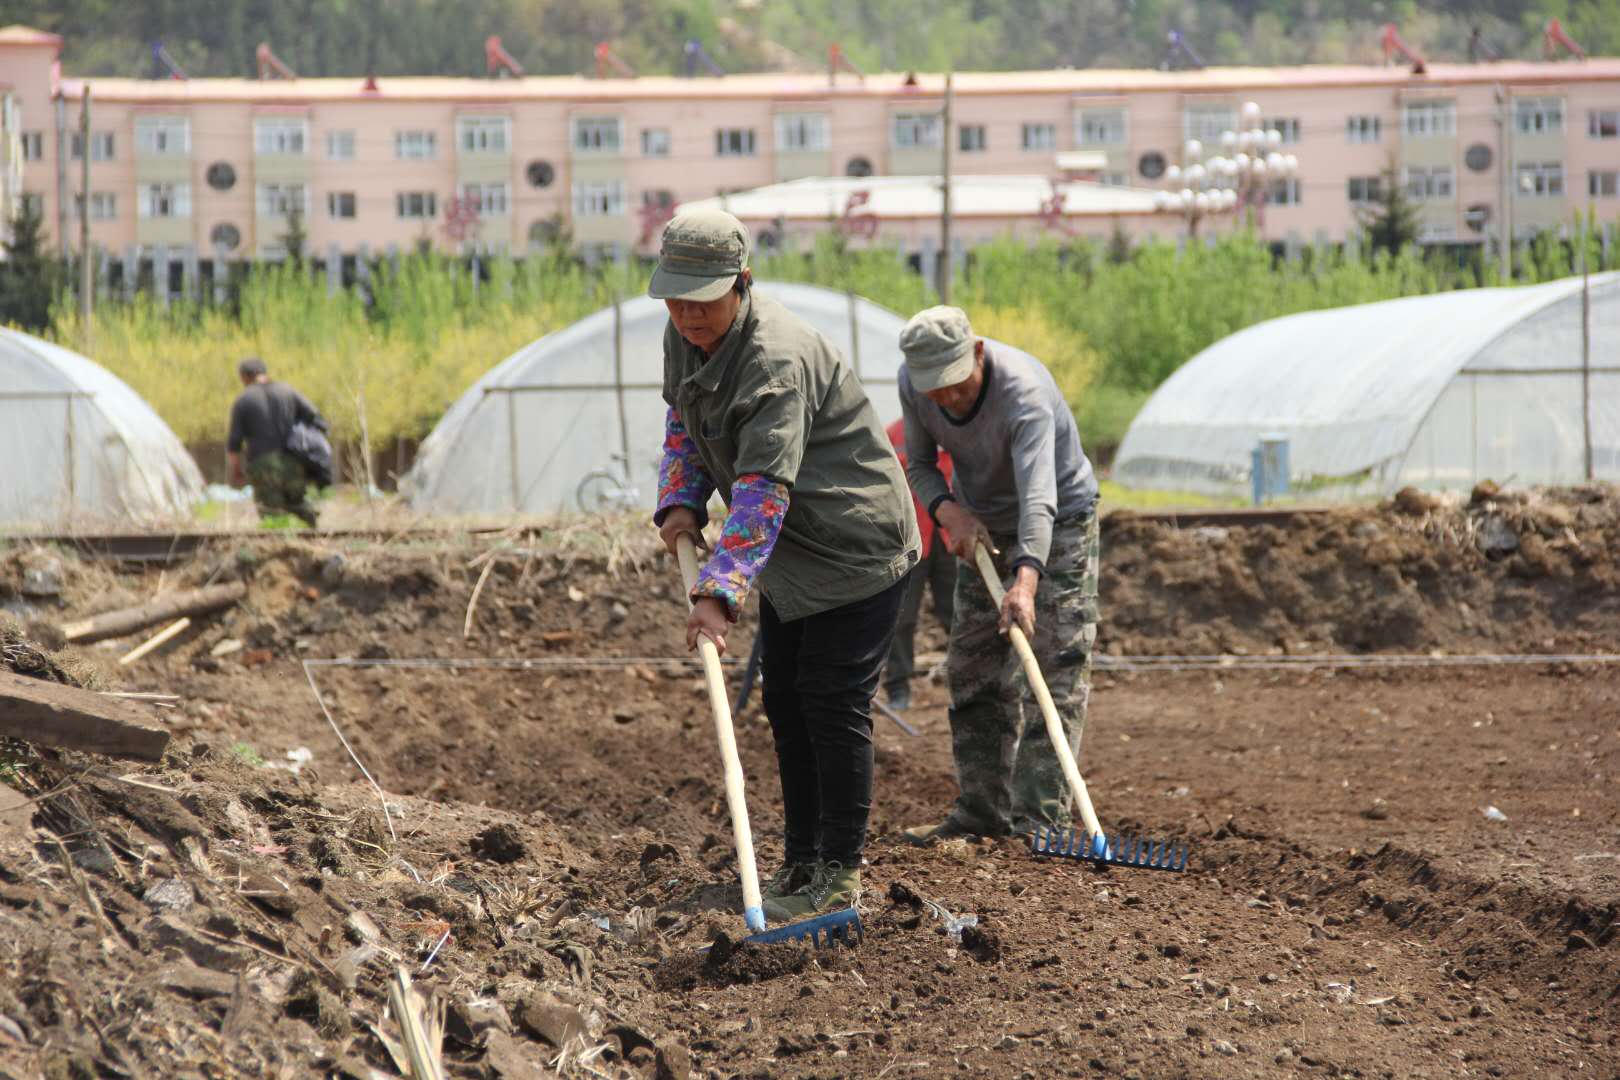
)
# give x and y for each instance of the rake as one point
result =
(842, 926)
(1091, 844)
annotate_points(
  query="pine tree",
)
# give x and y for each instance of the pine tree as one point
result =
(1392, 220)
(29, 277)
(296, 237)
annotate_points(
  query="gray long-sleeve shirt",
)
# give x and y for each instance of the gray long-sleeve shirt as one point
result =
(1017, 457)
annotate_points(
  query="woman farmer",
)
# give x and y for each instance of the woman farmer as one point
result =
(765, 409)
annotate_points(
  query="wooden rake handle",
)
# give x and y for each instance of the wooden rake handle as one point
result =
(1032, 671)
(720, 706)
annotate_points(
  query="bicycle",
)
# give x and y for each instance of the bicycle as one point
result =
(600, 491)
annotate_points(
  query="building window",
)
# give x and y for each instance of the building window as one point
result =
(1430, 184)
(1100, 127)
(970, 139)
(340, 145)
(1437, 234)
(33, 146)
(281, 135)
(340, 205)
(734, 142)
(916, 131)
(416, 145)
(801, 132)
(165, 200)
(490, 199)
(598, 134)
(1112, 179)
(1544, 180)
(1603, 124)
(101, 146)
(162, 135)
(1363, 189)
(1363, 129)
(1429, 119)
(1039, 137)
(655, 142)
(1286, 192)
(1603, 184)
(599, 198)
(1538, 116)
(103, 206)
(1207, 122)
(1286, 126)
(483, 134)
(280, 200)
(419, 205)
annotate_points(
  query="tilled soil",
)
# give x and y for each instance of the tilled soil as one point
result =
(556, 849)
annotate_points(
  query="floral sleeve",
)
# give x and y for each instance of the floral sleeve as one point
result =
(682, 480)
(753, 523)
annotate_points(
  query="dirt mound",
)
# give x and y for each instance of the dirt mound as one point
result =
(1515, 572)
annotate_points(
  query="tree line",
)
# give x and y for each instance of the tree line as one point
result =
(442, 37)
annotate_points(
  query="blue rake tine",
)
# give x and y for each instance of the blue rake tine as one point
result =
(1135, 851)
(841, 927)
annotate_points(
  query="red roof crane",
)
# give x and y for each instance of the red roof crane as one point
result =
(270, 64)
(606, 58)
(497, 61)
(1393, 43)
(1555, 35)
(163, 62)
(837, 58)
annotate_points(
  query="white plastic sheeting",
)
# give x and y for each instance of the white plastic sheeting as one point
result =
(1434, 391)
(80, 446)
(529, 432)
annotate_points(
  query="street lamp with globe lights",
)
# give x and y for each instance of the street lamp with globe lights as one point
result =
(1240, 176)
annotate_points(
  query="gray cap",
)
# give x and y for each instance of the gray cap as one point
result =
(703, 252)
(938, 343)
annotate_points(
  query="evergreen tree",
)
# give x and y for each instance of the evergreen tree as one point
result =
(296, 238)
(29, 277)
(1391, 220)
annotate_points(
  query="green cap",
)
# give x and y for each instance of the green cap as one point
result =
(702, 254)
(938, 343)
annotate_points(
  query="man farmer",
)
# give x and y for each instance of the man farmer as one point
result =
(936, 573)
(765, 410)
(262, 419)
(1023, 488)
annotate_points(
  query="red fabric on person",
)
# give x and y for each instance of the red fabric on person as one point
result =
(925, 524)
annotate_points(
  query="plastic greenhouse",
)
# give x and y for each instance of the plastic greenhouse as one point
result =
(80, 445)
(550, 427)
(1435, 392)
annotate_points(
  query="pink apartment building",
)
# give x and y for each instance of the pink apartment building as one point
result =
(211, 166)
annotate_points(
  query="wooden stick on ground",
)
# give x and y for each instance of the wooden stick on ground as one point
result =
(472, 605)
(126, 621)
(422, 1029)
(157, 639)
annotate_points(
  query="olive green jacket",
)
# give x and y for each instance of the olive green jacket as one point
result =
(779, 400)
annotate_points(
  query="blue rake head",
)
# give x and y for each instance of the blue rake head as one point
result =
(842, 927)
(1131, 851)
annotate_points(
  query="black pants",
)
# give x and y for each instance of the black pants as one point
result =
(820, 673)
(937, 572)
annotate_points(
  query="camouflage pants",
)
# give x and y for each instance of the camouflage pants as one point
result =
(280, 485)
(1009, 774)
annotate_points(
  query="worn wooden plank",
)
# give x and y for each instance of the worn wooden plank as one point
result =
(51, 714)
